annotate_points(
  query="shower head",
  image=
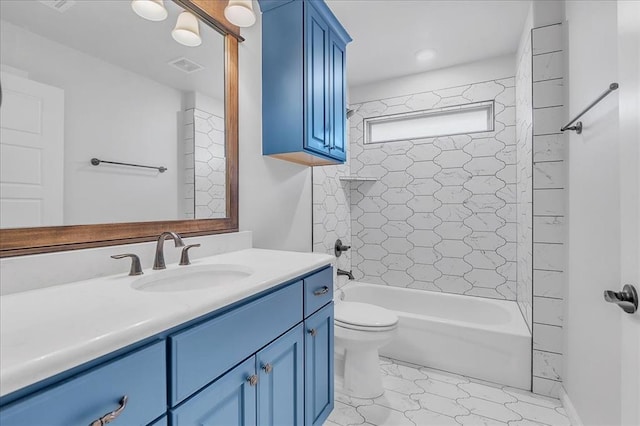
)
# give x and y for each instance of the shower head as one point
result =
(350, 112)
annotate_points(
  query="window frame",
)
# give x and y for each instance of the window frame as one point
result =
(452, 109)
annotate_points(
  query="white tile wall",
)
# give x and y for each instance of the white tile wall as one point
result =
(548, 183)
(524, 175)
(205, 171)
(547, 66)
(441, 217)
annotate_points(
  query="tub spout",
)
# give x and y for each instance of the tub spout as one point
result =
(348, 274)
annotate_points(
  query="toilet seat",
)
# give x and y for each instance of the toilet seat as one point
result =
(364, 317)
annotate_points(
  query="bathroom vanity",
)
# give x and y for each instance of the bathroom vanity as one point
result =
(255, 351)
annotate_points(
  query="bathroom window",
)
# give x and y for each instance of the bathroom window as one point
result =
(453, 120)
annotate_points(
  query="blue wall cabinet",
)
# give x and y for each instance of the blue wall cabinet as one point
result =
(303, 81)
(318, 344)
(229, 401)
(281, 380)
(266, 360)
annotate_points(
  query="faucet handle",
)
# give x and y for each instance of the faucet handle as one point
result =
(184, 258)
(136, 268)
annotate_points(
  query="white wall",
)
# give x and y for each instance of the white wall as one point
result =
(473, 72)
(275, 195)
(98, 93)
(592, 339)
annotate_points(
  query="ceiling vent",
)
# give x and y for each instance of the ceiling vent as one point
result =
(59, 5)
(186, 65)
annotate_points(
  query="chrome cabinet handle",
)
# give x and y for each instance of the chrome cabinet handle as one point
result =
(253, 380)
(321, 291)
(109, 417)
(627, 299)
(267, 368)
(312, 332)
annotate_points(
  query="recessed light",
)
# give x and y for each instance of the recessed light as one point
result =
(425, 55)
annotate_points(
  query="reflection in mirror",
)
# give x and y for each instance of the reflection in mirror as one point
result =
(92, 79)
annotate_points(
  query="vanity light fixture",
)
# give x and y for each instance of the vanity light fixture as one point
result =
(187, 30)
(240, 13)
(152, 10)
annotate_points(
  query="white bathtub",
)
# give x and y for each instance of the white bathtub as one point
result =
(477, 337)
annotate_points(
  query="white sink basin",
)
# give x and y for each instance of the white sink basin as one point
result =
(191, 277)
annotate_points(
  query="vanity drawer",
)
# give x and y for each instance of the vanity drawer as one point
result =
(204, 352)
(318, 290)
(81, 400)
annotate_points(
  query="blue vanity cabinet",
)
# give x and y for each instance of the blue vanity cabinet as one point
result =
(281, 380)
(230, 400)
(83, 399)
(318, 346)
(303, 82)
(264, 361)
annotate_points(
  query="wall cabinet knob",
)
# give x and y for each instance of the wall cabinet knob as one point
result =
(267, 368)
(312, 332)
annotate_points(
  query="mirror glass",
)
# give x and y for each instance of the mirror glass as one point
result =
(86, 84)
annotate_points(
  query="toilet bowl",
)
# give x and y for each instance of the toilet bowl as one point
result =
(361, 329)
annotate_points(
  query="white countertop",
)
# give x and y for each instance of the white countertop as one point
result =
(47, 331)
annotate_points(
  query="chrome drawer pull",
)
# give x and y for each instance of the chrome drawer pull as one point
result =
(323, 290)
(267, 368)
(253, 380)
(109, 417)
(313, 332)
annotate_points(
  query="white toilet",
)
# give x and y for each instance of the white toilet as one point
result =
(361, 329)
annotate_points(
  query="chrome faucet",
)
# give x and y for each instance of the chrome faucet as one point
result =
(158, 262)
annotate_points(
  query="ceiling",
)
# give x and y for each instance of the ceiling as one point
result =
(388, 33)
(110, 30)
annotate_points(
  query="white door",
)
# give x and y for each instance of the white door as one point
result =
(31, 153)
(629, 112)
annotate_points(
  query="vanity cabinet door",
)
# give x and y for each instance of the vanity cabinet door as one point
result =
(337, 93)
(281, 380)
(229, 401)
(316, 40)
(84, 399)
(318, 346)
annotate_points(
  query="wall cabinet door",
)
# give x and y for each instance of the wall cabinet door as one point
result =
(317, 81)
(229, 401)
(281, 380)
(318, 344)
(337, 94)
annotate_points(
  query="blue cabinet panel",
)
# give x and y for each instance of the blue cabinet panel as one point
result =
(282, 79)
(163, 421)
(141, 376)
(204, 352)
(318, 290)
(317, 81)
(338, 91)
(318, 344)
(229, 401)
(281, 380)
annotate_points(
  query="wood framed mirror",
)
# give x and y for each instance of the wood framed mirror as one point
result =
(16, 241)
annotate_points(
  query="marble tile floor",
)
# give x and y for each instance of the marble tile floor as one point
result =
(422, 396)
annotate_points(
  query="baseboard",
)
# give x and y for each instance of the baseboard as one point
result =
(569, 408)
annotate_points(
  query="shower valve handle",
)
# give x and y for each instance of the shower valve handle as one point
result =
(338, 248)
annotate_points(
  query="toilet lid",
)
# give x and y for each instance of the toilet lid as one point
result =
(364, 315)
